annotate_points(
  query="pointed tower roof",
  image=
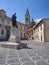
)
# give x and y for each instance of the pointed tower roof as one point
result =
(27, 12)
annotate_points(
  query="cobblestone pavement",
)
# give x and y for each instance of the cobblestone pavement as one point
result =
(38, 54)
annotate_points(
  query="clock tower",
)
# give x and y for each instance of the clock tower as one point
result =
(27, 18)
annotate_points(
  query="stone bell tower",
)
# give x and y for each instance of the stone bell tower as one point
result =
(27, 18)
(27, 22)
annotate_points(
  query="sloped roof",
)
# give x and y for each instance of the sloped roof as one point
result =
(40, 22)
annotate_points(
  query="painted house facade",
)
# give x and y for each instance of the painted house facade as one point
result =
(41, 30)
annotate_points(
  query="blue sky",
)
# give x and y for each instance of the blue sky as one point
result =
(37, 8)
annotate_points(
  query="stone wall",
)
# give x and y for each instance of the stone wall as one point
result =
(46, 29)
(39, 32)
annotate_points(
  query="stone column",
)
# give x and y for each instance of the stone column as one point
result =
(42, 32)
(39, 33)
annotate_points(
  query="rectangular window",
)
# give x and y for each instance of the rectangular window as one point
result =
(24, 34)
(2, 32)
(21, 28)
(21, 34)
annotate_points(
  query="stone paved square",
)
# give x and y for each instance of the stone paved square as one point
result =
(36, 54)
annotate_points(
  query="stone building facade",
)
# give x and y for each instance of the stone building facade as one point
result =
(30, 30)
(5, 25)
(41, 30)
(29, 26)
(27, 22)
(21, 28)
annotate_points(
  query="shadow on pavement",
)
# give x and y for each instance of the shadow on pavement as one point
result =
(22, 46)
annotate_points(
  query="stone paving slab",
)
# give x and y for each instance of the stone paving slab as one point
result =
(41, 63)
(25, 59)
(37, 55)
(29, 63)
(48, 61)
(11, 61)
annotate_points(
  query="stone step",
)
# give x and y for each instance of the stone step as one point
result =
(10, 45)
(12, 40)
